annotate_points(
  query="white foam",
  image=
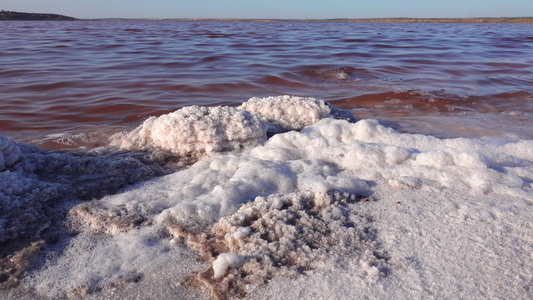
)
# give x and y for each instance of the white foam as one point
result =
(290, 113)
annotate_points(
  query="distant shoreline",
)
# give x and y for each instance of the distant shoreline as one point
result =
(21, 16)
(517, 20)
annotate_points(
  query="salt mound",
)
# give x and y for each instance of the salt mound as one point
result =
(286, 113)
(195, 130)
(284, 235)
(211, 188)
(372, 152)
(9, 152)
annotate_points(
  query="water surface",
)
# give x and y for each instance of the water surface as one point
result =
(95, 78)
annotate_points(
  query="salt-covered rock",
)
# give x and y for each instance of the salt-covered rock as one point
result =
(9, 152)
(32, 190)
(195, 130)
(286, 113)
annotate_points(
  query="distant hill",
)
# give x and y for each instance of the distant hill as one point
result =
(21, 16)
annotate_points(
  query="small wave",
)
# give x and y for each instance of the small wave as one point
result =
(212, 58)
(80, 138)
(218, 88)
(52, 86)
(445, 114)
(354, 54)
(342, 73)
(218, 35)
(279, 82)
(356, 40)
(116, 107)
(438, 101)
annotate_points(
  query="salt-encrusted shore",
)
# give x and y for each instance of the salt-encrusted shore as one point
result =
(324, 207)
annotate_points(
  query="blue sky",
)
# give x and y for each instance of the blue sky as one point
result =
(275, 9)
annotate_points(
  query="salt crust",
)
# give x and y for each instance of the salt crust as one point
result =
(14, 266)
(283, 235)
(34, 187)
(445, 244)
(44, 179)
(373, 152)
(36, 184)
(329, 155)
(213, 187)
(195, 130)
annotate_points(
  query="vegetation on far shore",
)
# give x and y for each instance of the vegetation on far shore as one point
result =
(21, 16)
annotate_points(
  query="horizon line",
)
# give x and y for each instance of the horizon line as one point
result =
(383, 19)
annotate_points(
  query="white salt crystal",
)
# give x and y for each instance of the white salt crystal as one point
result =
(226, 261)
(242, 232)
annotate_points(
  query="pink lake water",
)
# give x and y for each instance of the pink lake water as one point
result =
(72, 84)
